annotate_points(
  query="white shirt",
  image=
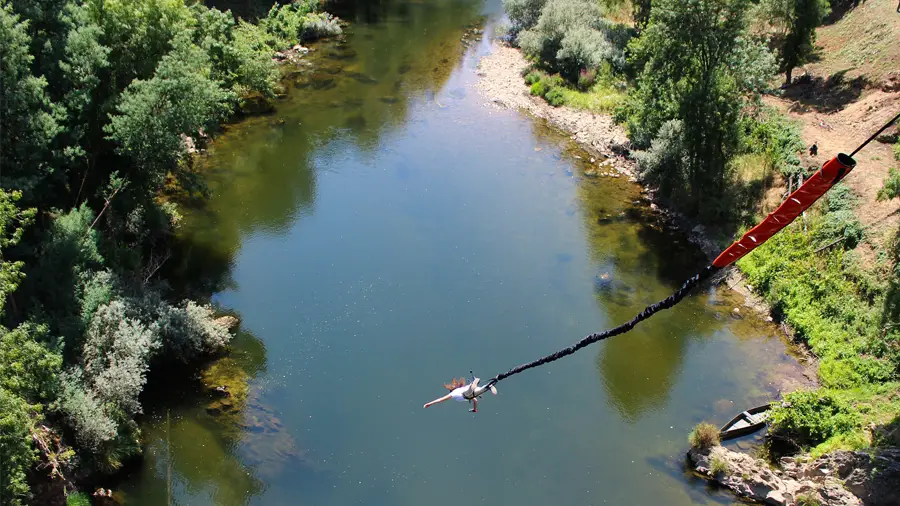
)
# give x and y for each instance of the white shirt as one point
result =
(458, 394)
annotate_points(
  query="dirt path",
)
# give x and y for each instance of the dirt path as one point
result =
(841, 131)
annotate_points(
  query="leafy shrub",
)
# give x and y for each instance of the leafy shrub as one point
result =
(571, 35)
(891, 187)
(293, 22)
(319, 25)
(16, 453)
(840, 198)
(523, 14)
(27, 367)
(840, 225)
(78, 499)
(776, 138)
(811, 416)
(532, 77)
(587, 78)
(587, 47)
(538, 89)
(555, 97)
(663, 163)
(705, 435)
(191, 330)
(93, 426)
(116, 356)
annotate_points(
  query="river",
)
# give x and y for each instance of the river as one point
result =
(386, 230)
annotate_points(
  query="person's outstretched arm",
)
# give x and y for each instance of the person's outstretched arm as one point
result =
(442, 399)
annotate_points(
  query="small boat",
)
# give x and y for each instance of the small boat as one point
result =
(745, 423)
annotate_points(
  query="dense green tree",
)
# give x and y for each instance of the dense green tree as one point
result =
(27, 366)
(523, 14)
(139, 33)
(698, 67)
(83, 63)
(153, 115)
(13, 221)
(240, 60)
(795, 23)
(27, 123)
(47, 30)
(16, 453)
(571, 35)
(69, 253)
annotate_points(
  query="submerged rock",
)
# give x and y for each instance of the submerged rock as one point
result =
(256, 103)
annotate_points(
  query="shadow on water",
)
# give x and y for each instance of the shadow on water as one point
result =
(197, 447)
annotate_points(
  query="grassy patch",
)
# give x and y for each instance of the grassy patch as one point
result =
(808, 500)
(844, 311)
(718, 465)
(705, 435)
(600, 97)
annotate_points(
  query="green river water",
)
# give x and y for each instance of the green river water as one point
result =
(386, 230)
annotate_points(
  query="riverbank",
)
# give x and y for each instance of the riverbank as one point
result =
(501, 83)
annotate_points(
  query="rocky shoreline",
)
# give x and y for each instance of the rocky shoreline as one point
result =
(842, 478)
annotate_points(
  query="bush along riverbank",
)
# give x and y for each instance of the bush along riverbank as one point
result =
(101, 103)
(692, 87)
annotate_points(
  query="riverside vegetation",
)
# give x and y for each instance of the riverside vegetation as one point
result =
(100, 101)
(687, 80)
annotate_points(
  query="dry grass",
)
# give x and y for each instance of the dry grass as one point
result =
(705, 435)
(866, 40)
(718, 465)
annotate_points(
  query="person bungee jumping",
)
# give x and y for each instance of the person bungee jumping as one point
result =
(461, 392)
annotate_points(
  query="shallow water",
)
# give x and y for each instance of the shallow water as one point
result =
(386, 230)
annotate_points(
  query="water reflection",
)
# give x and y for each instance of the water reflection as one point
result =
(197, 438)
(639, 369)
(344, 97)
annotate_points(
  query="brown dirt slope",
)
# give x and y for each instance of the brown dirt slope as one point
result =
(848, 94)
(865, 42)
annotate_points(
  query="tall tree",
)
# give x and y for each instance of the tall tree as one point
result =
(152, 115)
(27, 124)
(697, 65)
(795, 23)
(12, 225)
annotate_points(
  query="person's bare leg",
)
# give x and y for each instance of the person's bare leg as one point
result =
(442, 399)
(475, 405)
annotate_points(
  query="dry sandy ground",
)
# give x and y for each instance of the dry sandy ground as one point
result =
(503, 86)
